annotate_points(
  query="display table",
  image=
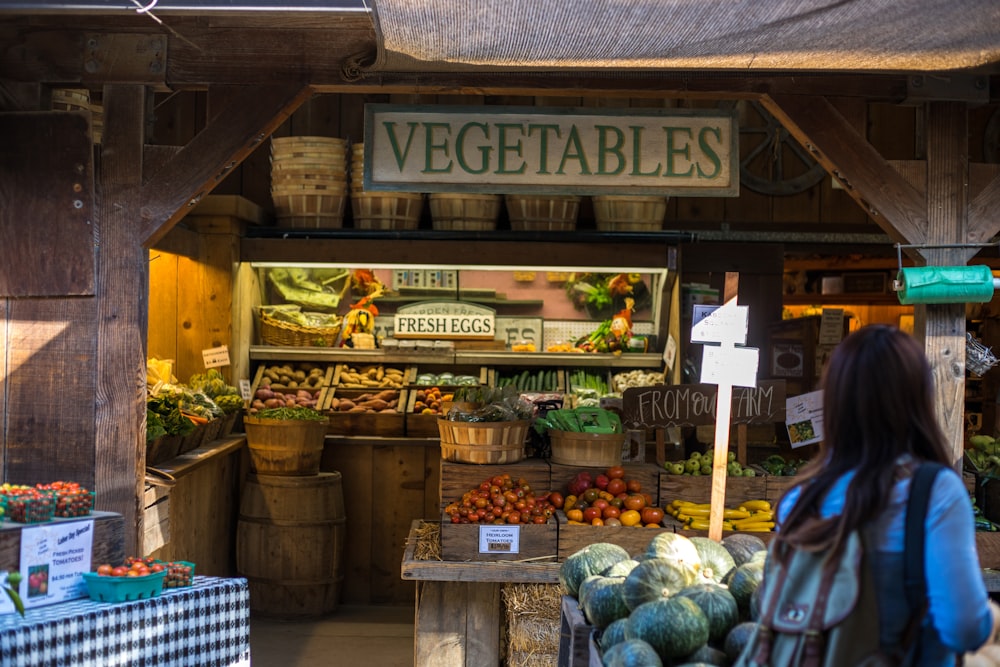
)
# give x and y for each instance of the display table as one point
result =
(207, 623)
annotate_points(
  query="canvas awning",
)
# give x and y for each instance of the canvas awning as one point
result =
(747, 35)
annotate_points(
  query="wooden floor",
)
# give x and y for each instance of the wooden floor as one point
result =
(371, 636)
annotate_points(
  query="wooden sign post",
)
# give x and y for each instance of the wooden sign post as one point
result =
(725, 366)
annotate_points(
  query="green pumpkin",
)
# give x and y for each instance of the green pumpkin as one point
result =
(741, 546)
(719, 607)
(716, 562)
(674, 626)
(744, 581)
(592, 559)
(602, 600)
(631, 653)
(656, 578)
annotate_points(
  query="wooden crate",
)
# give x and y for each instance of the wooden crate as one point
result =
(777, 485)
(380, 376)
(648, 475)
(109, 539)
(319, 391)
(686, 532)
(413, 372)
(376, 424)
(457, 478)
(698, 489)
(461, 542)
(574, 634)
(988, 546)
(634, 539)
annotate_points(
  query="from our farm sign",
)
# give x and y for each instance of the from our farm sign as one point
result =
(534, 150)
(694, 405)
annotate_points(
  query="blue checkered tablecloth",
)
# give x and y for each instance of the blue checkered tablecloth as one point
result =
(206, 624)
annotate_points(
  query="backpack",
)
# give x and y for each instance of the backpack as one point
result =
(823, 611)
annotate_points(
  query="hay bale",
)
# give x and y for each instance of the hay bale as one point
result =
(532, 613)
(428, 541)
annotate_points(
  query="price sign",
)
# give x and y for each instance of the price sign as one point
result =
(216, 356)
(499, 539)
(735, 366)
(720, 324)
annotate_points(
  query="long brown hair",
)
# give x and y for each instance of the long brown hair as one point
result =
(878, 403)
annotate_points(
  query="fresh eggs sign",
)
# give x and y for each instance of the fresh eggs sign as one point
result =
(533, 150)
(445, 320)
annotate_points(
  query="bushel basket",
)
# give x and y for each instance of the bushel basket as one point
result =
(285, 446)
(482, 442)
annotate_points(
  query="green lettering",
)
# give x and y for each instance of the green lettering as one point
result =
(503, 148)
(390, 130)
(429, 129)
(672, 151)
(709, 151)
(603, 149)
(543, 144)
(484, 150)
(637, 154)
(573, 141)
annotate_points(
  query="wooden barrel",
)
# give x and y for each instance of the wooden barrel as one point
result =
(290, 543)
(285, 446)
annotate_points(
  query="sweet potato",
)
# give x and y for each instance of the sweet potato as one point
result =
(345, 405)
(375, 404)
(387, 394)
(358, 408)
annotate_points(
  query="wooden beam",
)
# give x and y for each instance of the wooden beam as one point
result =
(123, 286)
(249, 118)
(984, 223)
(880, 190)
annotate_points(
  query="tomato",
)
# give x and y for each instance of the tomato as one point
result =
(630, 518)
(611, 512)
(652, 515)
(615, 472)
(591, 494)
(601, 482)
(597, 521)
(633, 485)
(616, 486)
(119, 571)
(556, 499)
(514, 517)
(601, 504)
(612, 521)
(104, 570)
(635, 502)
(574, 515)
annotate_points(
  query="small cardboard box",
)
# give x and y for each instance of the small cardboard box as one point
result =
(634, 539)
(461, 542)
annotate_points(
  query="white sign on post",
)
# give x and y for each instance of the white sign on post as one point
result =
(720, 324)
(736, 366)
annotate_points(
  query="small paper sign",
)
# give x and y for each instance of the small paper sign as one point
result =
(216, 356)
(804, 418)
(719, 324)
(831, 326)
(735, 366)
(499, 539)
(245, 389)
(670, 352)
(53, 557)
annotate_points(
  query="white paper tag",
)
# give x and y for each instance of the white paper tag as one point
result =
(245, 389)
(736, 366)
(216, 356)
(499, 539)
(670, 352)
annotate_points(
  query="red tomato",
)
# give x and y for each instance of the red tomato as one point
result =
(616, 486)
(104, 570)
(556, 499)
(119, 571)
(633, 485)
(615, 472)
(635, 502)
(591, 513)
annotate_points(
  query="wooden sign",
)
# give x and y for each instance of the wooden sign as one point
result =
(695, 405)
(534, 150)
(445, 320)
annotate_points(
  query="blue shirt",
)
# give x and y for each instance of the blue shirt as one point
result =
(958, 611)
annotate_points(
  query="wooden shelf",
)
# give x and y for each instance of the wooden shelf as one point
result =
(880, 299)
(486, 300)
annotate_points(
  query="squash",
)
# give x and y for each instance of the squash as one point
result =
(611, 635)
(738, 638)
(716, 562)
(602, 600)
(674, 626)
(591, 559)
(707, 655)
(631, 653)
(719, 607)
(675, 547)
(621, 568)
(741, 546)
(656, 578)
(744, 581)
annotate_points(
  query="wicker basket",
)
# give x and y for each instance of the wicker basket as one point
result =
(593, 450)
(542, 213)
(466, 212)
(277, 332)
(309, 181)
(395, 210)
(629, 213)
(482, 442)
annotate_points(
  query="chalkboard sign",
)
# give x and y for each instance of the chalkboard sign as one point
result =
(694, 405)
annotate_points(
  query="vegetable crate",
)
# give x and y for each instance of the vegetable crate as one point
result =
(363, 412)
(306, 376)
(698, 489)
(531, 380)
(474, 542)
(483, 442)
(574, 634)
(370, 376)
(457, 478)
(634, 539)
(447, 377)
(647, 474)
(679, 528)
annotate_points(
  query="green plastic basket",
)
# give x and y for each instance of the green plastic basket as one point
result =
(123, 589)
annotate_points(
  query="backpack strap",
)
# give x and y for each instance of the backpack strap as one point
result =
(914, 579)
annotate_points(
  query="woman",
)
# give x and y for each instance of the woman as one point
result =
(879, 421)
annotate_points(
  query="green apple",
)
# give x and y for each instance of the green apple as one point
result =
(706, 469)
(692, 465)
(676, 468)
(731, 457)
(749, 472)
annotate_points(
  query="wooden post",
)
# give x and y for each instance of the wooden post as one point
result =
(723, 411)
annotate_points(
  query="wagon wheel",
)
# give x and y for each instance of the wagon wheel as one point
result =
(772, 162)
(991, 138)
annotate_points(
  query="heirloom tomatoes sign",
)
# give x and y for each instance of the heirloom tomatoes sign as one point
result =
(533, 150)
